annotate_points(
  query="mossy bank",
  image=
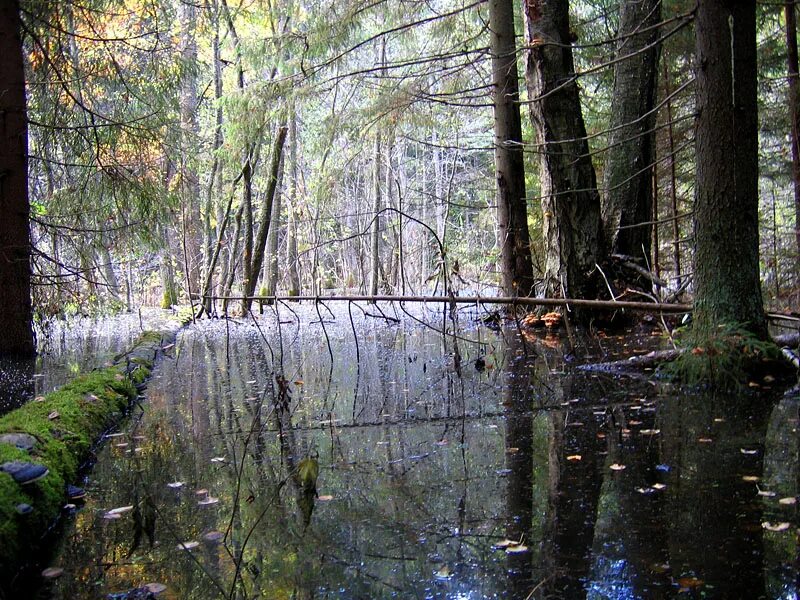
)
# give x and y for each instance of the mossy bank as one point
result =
(65, 425)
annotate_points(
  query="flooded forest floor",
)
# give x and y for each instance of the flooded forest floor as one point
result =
(356, 452)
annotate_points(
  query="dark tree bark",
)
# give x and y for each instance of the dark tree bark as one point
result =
(726, 267)
(627, 178)
(794, 113)
(265, 217)
(570, 201)
(15, 245)
(512, 209)
(291, 225)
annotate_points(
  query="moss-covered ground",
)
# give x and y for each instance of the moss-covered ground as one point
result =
(66, 423)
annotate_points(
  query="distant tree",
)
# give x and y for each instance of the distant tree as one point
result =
(15, 246)
(512, 211)
(570, 201)
(726, 259)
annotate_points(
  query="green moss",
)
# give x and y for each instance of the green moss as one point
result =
(66, 423)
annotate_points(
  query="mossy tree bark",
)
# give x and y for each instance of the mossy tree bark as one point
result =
(512, 209)
(15, 245)
(726, 267)
(627, 178)
(569, 197)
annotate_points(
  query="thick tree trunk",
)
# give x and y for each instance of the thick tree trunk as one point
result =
(15, 244)
(264, 220)
(512, 206)
(726, 267)
(794, 113)
(628, 173)
(570, 201)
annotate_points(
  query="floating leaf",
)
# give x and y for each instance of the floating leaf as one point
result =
(644, 490)
(188, 545)
(650, 431)
(176, 484)
(444, 573)
(218, 459)
(748, 452)
(208, 501)
(690, 582)
(751, 478)
(517, 549)
(505, 544)
(574, 457)
(155, 588)
(775, 526)
(766, 493)
(704, 440)
(52, 572)
(298, 382)
(325, 498)
(119, 510)
(788, 501)
(659, 486)
(112, 516)
(213, 537)
(617, 467)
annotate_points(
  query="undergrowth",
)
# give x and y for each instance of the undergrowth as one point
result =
(728, 359)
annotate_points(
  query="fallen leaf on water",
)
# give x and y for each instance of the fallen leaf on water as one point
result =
(325, 498)
(53, 415)
(634, 422)
(52, 572)
(155, 588)
(505, 544)
(298, 382)
(659, 486)
(512, 450)
(441, 443)
(218, 459)
(644, 490)
(766, 493)
(121, 445)
(176, 484)
(775, 526)
(752, 384)
(751, 478)
(213, 537)
(444, 573)
(574, 457)
(201, 492)
(690, 582)
(119, 510)
(208, 501)
(617, 467)
(788, 501)
(188, 545)
(705, 440)
(112, 516)
(650, 431)
(747, 452)
(519, 548)
(39, 399)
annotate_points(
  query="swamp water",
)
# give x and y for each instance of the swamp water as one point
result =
(389, 468)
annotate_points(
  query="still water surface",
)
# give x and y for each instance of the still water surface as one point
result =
(497, 470)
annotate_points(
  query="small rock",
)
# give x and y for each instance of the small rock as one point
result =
(23, 441)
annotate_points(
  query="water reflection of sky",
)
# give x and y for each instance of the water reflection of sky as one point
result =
(425, 473)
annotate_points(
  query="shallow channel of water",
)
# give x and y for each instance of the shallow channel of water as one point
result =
(498, 471)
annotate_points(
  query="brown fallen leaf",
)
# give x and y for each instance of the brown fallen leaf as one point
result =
(617, 467)
(775, 526)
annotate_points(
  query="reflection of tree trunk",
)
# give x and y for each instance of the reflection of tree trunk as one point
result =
(573, 495)
(714, 516)
(107, 267)
(271, 271)
(519, 462)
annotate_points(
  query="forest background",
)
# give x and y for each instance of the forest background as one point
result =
(182, 149)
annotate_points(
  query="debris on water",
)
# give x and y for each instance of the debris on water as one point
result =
(52, 572)
(783, 526)
(176, 484)
(213, 537)
(191, 545)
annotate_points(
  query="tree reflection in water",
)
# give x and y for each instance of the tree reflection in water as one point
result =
(422, 471)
